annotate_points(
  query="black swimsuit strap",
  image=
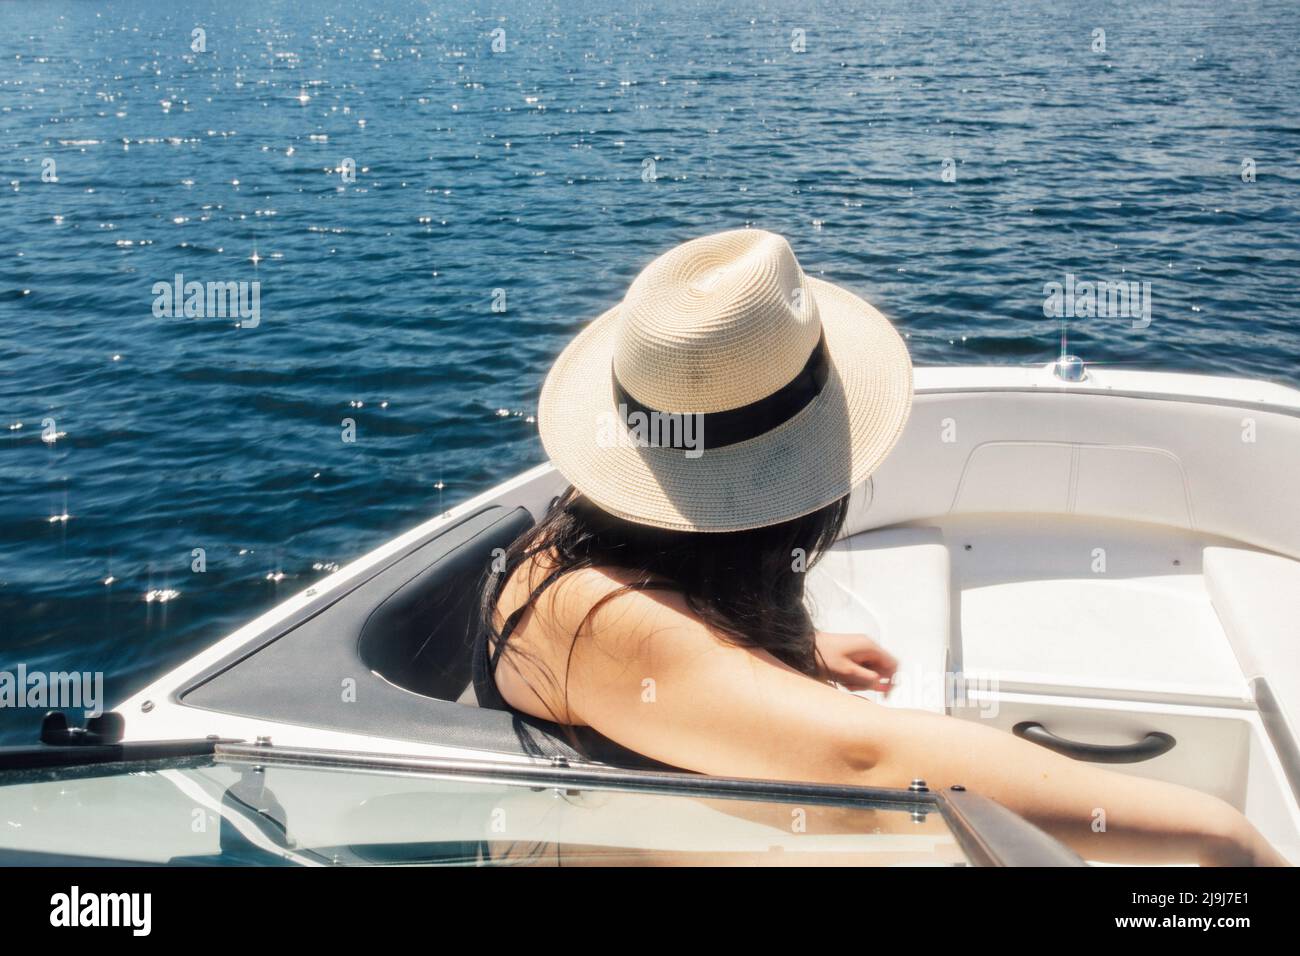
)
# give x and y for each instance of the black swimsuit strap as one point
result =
(512, 620)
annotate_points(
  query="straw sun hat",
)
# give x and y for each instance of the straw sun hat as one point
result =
(726, 391)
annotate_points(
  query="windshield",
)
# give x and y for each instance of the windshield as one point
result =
(207, 811)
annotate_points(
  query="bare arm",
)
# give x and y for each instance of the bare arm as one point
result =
(647, 674)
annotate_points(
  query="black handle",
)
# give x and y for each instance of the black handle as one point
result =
(1152, 745)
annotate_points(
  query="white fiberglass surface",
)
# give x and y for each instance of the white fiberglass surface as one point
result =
(1083, 603)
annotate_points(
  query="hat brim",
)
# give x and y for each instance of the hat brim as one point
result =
(804, 464)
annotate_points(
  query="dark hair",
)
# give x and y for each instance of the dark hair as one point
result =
(747, 586)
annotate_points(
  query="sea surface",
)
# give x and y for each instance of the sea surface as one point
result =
(502, 198)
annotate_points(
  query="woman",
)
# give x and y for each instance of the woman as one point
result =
(712, 426)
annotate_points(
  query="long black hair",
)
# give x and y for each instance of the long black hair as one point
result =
(747, 586)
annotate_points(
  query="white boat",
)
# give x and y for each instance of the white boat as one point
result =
(1104, 561)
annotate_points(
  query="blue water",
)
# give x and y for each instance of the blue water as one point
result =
(523, 171)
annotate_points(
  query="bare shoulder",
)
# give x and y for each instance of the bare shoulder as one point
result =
(643, 670)
(637, 666)
(591, 627)
(610, 605)
(621, 635)
(583, 611)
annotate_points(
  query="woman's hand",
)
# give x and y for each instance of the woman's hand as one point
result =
(856, 661)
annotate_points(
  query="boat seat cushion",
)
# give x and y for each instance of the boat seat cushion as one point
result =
(1257, 597)
(893, 585)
